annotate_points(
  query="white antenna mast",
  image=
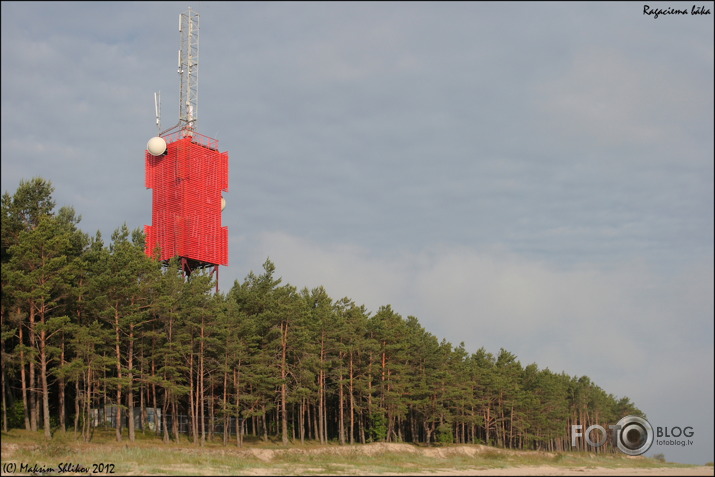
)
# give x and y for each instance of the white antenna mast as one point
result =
(189, 71)
(157, 110)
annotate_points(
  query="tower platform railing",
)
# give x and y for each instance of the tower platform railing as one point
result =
(196, 138)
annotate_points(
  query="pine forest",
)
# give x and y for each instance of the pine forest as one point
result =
(96, 333)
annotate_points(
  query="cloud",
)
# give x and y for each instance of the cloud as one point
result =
(610, 96)
(495, 297)
(631, 327)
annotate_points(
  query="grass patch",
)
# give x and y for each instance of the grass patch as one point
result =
(149, 455)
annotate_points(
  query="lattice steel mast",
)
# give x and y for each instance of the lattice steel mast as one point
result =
(189, 70)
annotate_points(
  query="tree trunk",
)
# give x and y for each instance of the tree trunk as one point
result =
(284, 384)
(341, 408)
(175, 420)
(369, 399)
(511, 427)
(200, 390)
(118, 414)
(165, 417)
(239, 421)
(265, 424)
(61, 391)
(193, 404)
(2, 375)
(352, 403)
(301, 420)
(294, 423)
(361, 422)
(143, 399)
(226, 420)
(487, 424)
(43, 380)
(23, 380)
(312, 422)
(130, 388)
(77, 402)
(32, 386)
(88, 425)
(212, 410)
(157, 422)
(321, 390)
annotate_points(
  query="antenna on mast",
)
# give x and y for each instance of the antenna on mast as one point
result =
(157, 110)
(189, 71)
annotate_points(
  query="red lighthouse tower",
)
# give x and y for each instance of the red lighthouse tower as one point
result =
(187, 174)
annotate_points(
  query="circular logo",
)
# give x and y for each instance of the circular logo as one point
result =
(634, 435)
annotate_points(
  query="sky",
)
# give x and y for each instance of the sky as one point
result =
(530, 176)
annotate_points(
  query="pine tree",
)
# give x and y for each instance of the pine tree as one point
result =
(22, 212)
(39, 271)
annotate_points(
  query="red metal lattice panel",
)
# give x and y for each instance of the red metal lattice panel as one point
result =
(186, 202)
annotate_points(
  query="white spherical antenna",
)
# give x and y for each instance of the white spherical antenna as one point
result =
(156, 146)
(223, 204)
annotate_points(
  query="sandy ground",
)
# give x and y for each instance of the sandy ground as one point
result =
(550, 470)
(520, 470)
(445, 452)
(304, 467)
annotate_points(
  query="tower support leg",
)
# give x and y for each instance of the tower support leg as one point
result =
(186, 266)
(214, 275)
